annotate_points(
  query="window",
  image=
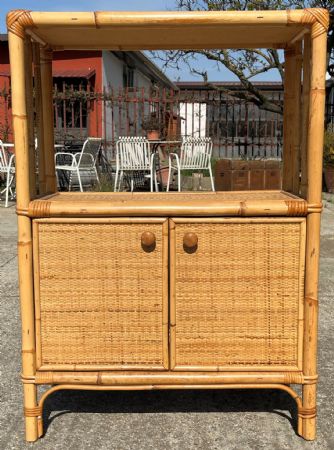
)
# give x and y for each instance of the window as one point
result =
(71, 105)
(128, 77)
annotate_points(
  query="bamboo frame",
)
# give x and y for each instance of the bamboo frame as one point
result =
(276, 29)
(291, 126)
(125, 378)
(314, 173)
(47, 106)
(289, 22)
(210, 204)
(297, 119)
(20, 123)
(30, 114)
(305, 114)
(38, 411)
(105, 19)
(39, 119)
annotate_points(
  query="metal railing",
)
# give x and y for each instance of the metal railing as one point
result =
(237, 128)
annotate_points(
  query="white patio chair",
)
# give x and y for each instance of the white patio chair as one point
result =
(195, 154)
(133, 154)
(80, 163)
(7, 168)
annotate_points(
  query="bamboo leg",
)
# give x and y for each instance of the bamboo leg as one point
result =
(39, 120)
(314, 167)
(20, 124)
(48, 126)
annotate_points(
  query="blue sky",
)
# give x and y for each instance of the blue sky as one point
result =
(117, 5)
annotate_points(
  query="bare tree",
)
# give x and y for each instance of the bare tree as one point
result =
(244, 64)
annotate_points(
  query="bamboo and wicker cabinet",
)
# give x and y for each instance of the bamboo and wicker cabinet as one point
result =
(169, 290)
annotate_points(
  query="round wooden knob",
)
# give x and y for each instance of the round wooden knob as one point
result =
(148, 239)
(190, 240)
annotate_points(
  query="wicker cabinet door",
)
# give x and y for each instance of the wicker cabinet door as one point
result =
(236, 288)
(101, 293)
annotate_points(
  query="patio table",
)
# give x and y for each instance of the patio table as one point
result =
(155, 148)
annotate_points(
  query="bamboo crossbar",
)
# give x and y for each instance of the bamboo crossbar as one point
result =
(107, 378)
(255, 203)
(234, 303)
(274, 29)
(101, 19)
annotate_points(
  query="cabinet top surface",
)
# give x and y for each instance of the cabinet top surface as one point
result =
(235, 203)
(169, 197)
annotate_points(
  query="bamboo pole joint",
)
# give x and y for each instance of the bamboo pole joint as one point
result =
(18, 20)
(310, 379)
(26, 379)
(22, 212)
(311, 301)
(96, 19)
(307, 413)
(314, 207)
(319, 18)
(33, 412)
(296, 208)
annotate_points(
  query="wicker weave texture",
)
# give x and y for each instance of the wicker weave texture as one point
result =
(100, 294)
(170, 197)
(239, 295)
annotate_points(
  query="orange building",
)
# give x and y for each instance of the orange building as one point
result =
(92, 72)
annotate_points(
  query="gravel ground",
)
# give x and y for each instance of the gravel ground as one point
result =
(166, 419)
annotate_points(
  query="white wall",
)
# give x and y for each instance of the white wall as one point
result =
(112, 77)
(193, 122)
(141, 80)
(112, 71)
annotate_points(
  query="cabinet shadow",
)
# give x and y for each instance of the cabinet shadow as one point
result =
(170, 401)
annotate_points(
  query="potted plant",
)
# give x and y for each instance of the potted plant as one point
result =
(153, 127)
(329, 159)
